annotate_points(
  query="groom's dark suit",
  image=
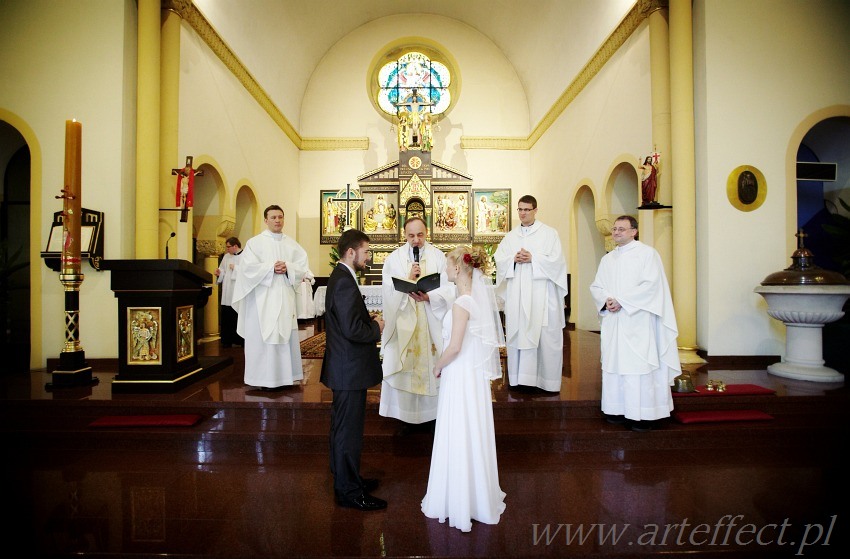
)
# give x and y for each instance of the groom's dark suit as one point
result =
(350, 366)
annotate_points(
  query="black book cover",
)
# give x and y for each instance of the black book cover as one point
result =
(424, 284)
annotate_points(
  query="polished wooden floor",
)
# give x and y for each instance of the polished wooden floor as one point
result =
(251, 479)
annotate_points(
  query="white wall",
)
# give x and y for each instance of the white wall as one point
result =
(611, 119)
(761, 68)
(65, 60)
(219, 120)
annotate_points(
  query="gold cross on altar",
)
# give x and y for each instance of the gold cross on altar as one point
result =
(348, 199)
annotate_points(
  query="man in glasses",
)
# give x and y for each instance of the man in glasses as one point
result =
(531, 276)
(640, 357)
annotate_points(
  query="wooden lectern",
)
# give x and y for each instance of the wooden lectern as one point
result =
(160, 306)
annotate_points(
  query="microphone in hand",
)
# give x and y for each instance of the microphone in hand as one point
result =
(173, 234)
(416, 257)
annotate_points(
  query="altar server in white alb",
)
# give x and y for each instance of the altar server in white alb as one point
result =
(226, 278)
(270, 270)
(412, 338)
(531, 277)
(640, 357)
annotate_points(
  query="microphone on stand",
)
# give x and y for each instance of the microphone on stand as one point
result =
(173, 234)
(416, 256)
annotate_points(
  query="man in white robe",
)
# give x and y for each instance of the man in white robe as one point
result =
(412, 338)
(269, 274)
(226, 278)
(640, 357)
(531, 277)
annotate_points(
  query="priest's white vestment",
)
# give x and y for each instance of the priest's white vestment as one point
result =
(534, 305)
(412, 338)
(266, 304)
(639, 355)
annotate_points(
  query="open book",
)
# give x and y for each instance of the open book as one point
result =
(425, 283)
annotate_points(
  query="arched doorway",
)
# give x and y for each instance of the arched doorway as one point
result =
(823, 206)
(823, 213)
(14, 250)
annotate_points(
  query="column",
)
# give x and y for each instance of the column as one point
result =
(147, 131)
(659, 64)
(211, 328)
(682, 167)
(169, 158)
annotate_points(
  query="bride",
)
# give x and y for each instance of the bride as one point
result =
(463, 483)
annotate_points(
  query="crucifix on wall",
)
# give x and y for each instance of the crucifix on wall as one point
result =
(185, 198)
(352, 199)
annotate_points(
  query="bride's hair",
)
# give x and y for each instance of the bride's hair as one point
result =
(469, 257)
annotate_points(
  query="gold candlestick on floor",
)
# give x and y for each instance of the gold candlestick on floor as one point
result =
(73, 369)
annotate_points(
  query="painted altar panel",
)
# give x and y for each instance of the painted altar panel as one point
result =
(491, 214)
(381, 216)
(452, 215)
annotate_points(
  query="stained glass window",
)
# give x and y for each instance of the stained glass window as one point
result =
(414, 78)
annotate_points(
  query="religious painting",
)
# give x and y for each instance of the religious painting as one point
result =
(185, 332)
(451, 216)
(144, 335)
(381, 216)
(491, 214)
(746, 188)
(333, 219)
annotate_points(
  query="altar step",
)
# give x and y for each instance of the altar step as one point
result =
(800, 424)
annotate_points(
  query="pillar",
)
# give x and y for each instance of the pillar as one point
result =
(147, 131)
(211, 322)
(659, 64)
(682, 170)
(169, 158)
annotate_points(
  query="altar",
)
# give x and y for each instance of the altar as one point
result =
(372, 296)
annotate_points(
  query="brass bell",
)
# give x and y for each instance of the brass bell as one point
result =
(683, 383)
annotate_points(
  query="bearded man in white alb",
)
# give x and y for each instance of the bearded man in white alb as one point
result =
(640, 357)
(269, 274)
(412, 338)
(531, 277)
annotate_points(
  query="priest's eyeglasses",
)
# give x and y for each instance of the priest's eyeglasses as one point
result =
(621, 229)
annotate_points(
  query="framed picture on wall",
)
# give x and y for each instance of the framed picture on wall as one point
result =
(491, 212)
(451, 216)
(333, 218)
(381, 218)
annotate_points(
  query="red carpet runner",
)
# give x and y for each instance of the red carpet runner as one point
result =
(174, 420)
(713, 416)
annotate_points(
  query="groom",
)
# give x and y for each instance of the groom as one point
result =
(350, 366)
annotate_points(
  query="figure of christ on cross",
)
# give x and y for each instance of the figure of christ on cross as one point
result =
(410, 123)
(186, 187)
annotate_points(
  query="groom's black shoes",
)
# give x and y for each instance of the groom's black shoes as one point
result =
(363, 501)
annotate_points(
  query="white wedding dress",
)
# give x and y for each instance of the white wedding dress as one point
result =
(463, 483)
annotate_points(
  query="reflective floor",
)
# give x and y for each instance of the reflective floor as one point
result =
(251, 479)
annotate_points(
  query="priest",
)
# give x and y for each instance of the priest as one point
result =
(640, 357)
(269, 274)
(412, 339)
(531, 277)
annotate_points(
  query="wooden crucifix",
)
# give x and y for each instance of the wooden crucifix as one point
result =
(343, 223)
(185, 198)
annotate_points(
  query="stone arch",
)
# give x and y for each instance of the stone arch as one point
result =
(36, 268)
